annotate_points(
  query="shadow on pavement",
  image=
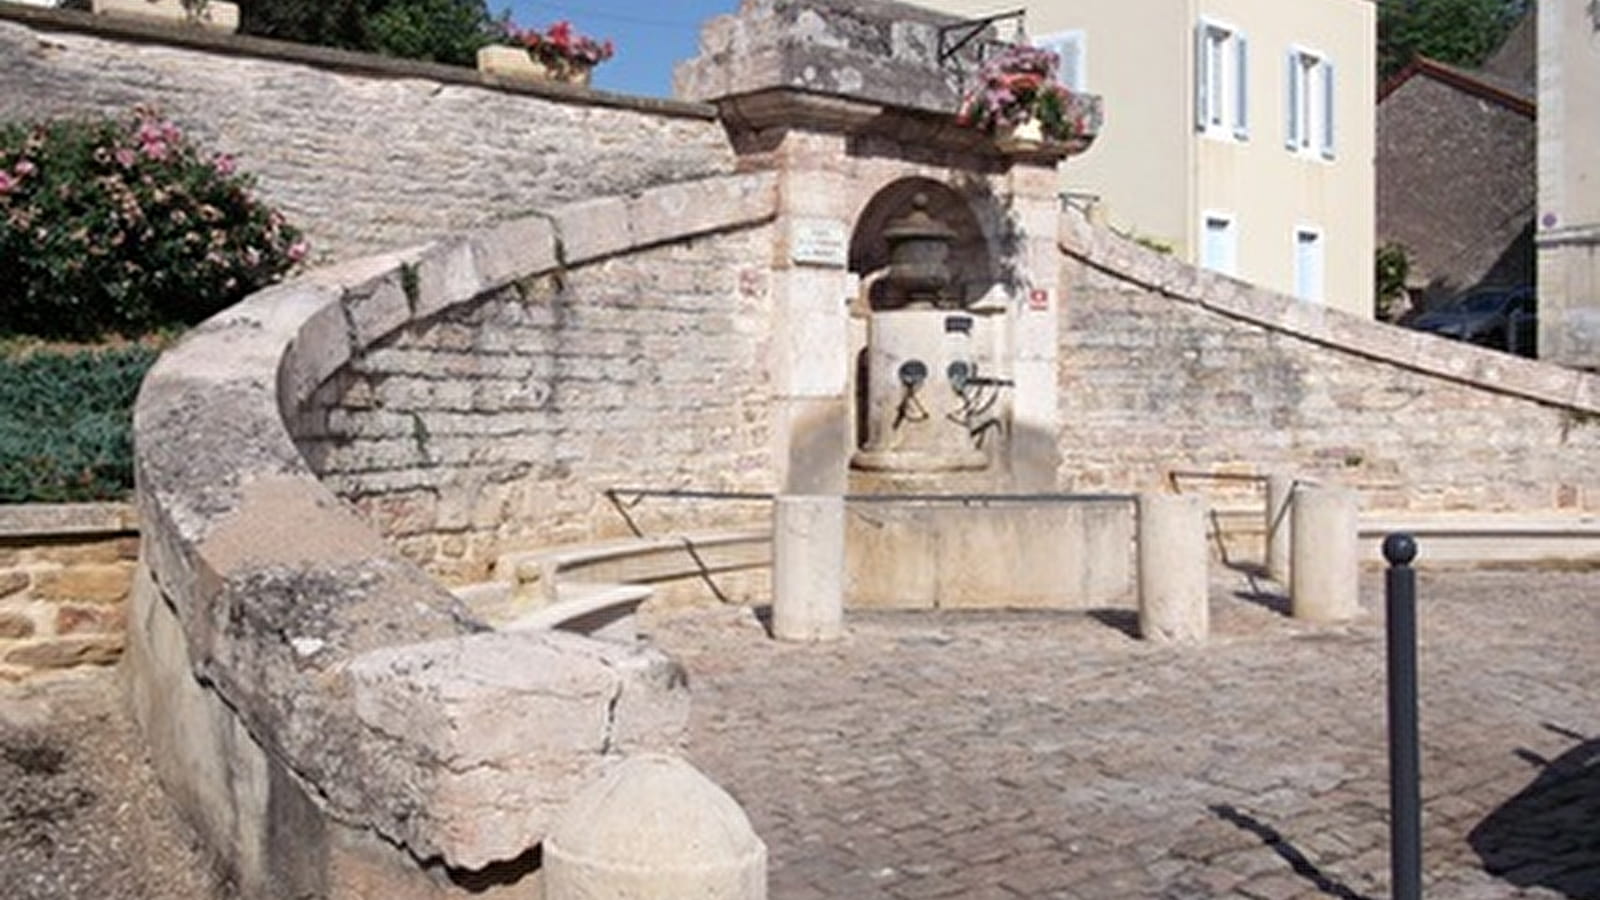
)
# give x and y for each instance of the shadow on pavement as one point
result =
(1548, 835)
(1291, 854)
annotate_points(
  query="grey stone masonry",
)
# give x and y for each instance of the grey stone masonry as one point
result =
(346, 143)
(1167, 366)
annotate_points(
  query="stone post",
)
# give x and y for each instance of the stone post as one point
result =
(1326, 561)
(654, 828)
(1280, 493)
(1173, 590)
(808, 567)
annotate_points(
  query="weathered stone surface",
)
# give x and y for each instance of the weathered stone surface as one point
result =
(62, 653)
(1173, 588)
(344, 153)
(654, 827)
(97, 583)
(99, 619)
(15, 625)
(1232, 374)
(12, 582)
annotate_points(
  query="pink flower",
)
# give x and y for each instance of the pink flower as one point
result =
(24, 168)
(156, 150)
(224, 164)
(150, 132)
(7, 183)
(298, 251)
(125, 157)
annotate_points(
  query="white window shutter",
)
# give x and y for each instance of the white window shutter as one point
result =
(1327, 109)
(1073, 70)
(1291, 93)
(1241, 86)
(1202, 80)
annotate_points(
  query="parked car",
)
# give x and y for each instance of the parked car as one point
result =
(1504, 318)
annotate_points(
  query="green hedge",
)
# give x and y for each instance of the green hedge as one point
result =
(66, 420)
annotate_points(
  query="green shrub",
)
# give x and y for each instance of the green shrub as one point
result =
(65, 422)
(122, 227)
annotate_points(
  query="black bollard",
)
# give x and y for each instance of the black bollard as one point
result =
(1405, 776)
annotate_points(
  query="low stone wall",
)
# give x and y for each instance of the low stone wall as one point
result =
(1165, 366)
(334, 721)
(344, 143)
(65, 570)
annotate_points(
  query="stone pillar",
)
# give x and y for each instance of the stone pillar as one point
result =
(1173, 590)
(654, 828)
(808, 567)
(1280, 525)
(1326, 562)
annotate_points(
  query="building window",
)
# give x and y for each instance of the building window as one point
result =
(1219, 243)
(1222, 80)
(1308, 264)
(1072, 48)
(1309, 129)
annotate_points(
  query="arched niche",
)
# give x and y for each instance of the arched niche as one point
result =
(972, 263)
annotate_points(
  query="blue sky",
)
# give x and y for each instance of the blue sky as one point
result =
(650, 35)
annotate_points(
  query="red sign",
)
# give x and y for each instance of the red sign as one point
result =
(1039, 298)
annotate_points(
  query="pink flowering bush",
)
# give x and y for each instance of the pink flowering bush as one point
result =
(1016, 85)
(123, 226)
(560, 47)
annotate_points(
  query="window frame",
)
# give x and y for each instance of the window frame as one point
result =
(1310, 94)
(1231, 231)
(1319, 290)
(1078, 78)
(1221, 80)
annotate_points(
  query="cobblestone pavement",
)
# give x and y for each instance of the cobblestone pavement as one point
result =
(1050, 755)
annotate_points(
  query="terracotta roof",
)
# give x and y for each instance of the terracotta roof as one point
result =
(1478, 84)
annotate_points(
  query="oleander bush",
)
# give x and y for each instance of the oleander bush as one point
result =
(121, 226)
(65, 421)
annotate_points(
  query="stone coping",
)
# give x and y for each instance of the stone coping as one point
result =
(48, 520)
(338, 655)
(335, 59)
(1417, 351)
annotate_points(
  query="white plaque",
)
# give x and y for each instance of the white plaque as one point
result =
(819, 242)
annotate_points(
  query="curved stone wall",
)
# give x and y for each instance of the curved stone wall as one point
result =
(1164, 366)
(333, 720)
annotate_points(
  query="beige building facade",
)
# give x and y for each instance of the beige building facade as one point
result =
(1238, 133)
(1568, 232)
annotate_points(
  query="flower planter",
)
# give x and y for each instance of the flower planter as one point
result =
(499, 63)
(212, 16)
(1025, 137)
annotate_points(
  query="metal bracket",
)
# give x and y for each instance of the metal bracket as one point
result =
(968, 30)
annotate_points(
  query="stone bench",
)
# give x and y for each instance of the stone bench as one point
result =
(595, 589)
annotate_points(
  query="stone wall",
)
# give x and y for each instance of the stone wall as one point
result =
(346, 143)
(498, 425)
(1168, 367)
(64, 577)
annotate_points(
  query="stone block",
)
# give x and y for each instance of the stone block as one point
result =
(593, 228)
(98, 619)
(13, 582)
(100, 583)
(322, 345)
(66, 652)
(15, 625)
(376, 308)
(446, 274)
(515, 249)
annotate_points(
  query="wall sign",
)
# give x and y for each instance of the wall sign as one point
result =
(819, 242)
(1039, 298)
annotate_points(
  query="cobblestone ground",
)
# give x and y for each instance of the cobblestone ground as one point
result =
(1050, 755)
